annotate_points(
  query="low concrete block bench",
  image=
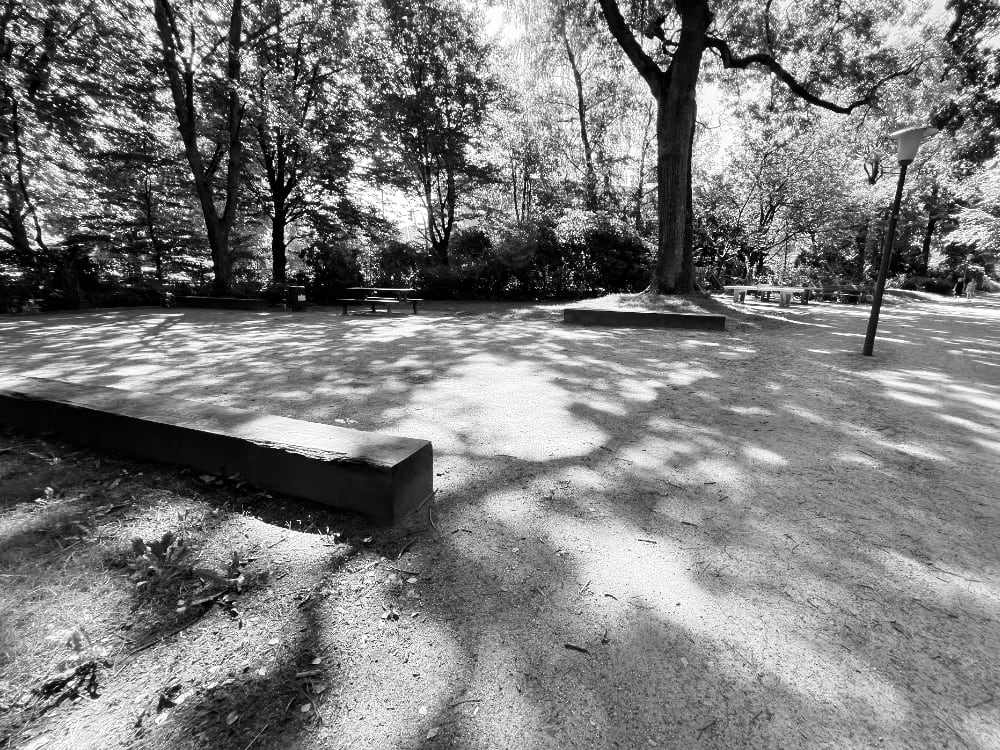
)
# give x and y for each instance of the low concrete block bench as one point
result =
(784, 292)
(643, 319)
(221, 303)
(380, 476)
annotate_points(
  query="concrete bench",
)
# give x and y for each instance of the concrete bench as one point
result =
(643, 319)
(380, 476)
(784, 292)
(221, 303)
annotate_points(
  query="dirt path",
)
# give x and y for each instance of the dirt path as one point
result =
(643, 538)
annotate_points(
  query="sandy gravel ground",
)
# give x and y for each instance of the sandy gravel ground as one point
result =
(756, 538)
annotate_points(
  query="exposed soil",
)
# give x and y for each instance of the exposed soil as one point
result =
(640, 538)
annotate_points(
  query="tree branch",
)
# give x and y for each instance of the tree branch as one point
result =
(655, 78)
(730, 61)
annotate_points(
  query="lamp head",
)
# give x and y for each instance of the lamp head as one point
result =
(909, 140)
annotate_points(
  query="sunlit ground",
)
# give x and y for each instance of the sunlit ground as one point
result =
(761, 537)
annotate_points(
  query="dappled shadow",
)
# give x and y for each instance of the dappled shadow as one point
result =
(757, 537)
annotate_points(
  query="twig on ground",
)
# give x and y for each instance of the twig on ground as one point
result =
(467, 700)
(275, 544)
(952, 573)
(363, 568)
(585, 587)
(707, 727)
(955, 732)
(404, 548)
(574, 647)
(315, 706)
(430, 517)
(256, 736)
(155, 641)
(390, 566)
(648, 541)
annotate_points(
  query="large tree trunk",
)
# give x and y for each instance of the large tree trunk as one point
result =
(675, 121)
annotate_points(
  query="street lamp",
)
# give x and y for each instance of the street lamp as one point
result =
(908, 142)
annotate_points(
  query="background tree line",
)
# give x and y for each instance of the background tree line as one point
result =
(520, 150)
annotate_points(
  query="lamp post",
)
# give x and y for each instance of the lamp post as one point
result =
(908, 142)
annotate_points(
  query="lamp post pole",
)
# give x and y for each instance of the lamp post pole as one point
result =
(883, 269)
(908, 143)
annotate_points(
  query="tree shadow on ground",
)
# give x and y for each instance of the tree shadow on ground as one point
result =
(728, 589)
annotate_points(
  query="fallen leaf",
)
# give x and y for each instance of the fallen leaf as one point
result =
(433, 732)
(232, 718)
(422, 710)
(411, 580)
(305, 708)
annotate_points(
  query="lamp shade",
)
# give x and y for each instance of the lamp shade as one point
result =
(909, 141)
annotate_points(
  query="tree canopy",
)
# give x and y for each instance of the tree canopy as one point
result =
(511, 150)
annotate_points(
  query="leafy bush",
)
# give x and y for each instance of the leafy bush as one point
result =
(332, 268)
(936, 285)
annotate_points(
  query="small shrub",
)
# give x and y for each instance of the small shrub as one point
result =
(925, 284)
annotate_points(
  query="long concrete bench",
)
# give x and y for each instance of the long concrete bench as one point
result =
(220, 303)
(380, 476)
(643, 319)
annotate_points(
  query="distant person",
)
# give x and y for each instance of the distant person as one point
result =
(970, 289)
(959, 287)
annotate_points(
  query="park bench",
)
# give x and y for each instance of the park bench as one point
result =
(377, 296)
(381, 476)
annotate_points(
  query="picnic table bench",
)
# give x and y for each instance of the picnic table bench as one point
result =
(379, 295)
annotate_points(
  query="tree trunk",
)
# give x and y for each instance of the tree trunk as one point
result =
(182, 89)
(675, 121)
(871, 248)
(687, 262)
(925, 252)
(279, 258)
(590, 174)
(932, 219)
(14, 221)
(154, 239)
